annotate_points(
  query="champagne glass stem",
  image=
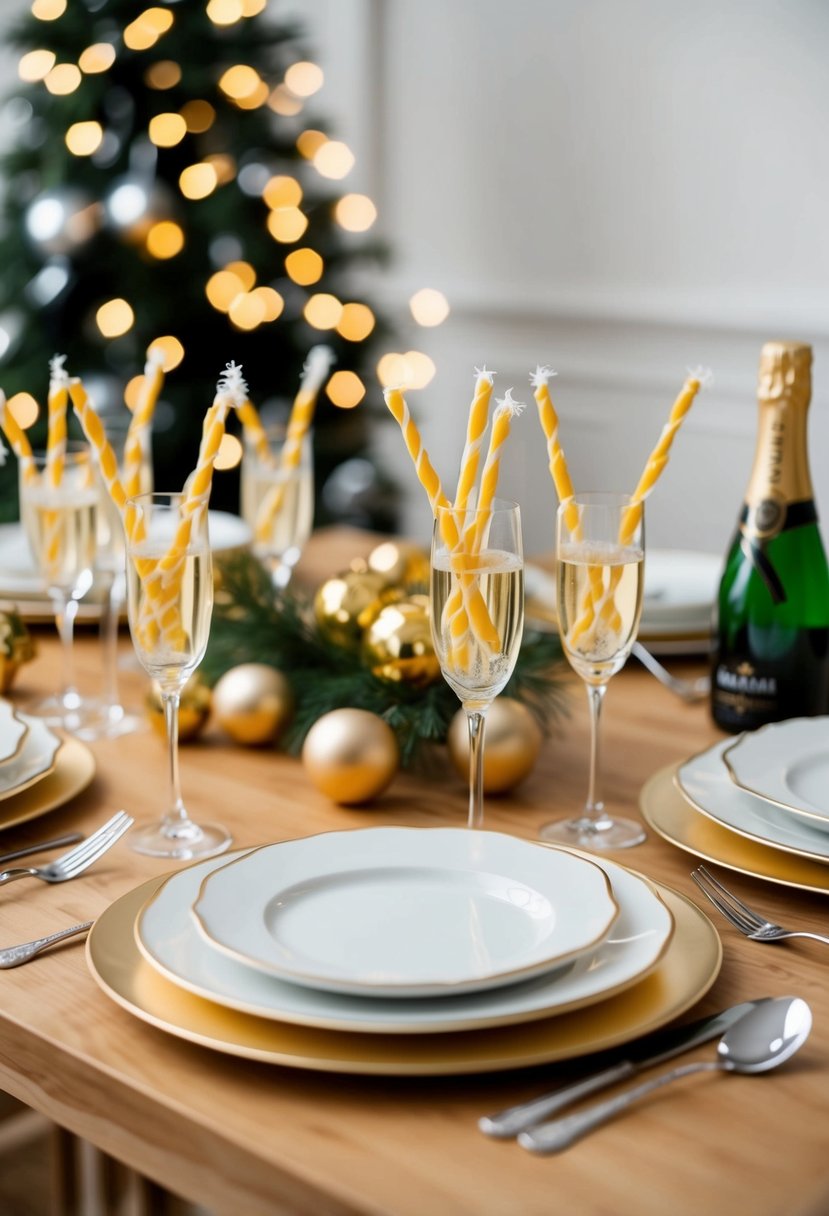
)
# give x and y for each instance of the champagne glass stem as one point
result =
(594, 807)
(109, 641)
(476, 721)
(66, 609)
(176, 813)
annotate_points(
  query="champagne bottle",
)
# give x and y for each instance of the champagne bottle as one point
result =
(772, 653)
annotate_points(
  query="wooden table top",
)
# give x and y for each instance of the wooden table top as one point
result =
(243, 1137)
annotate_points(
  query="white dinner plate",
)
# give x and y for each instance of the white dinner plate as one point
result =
(12, 732)
(705, 782)
(33, 762)
(406, 912)
(167, 937)
(786, 763)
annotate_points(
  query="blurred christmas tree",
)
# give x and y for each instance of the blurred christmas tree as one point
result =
(164, 183)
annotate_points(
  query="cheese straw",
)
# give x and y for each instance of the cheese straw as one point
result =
(314, 372)
(606, 607)
(253, 428)
(474, 613)
(56, 431)
(17, 439)
(135, 446)
(475, 427)
(475, 533)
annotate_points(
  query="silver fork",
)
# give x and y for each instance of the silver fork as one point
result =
(688, 690)
(749, 922)
(78, 859)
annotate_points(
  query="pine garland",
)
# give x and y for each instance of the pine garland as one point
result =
(253, 622)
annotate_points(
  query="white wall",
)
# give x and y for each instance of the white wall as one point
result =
(621, 188)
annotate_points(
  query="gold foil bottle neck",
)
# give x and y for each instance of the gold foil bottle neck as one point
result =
(785, 372)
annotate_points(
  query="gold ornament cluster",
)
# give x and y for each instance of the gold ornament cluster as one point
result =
(16, 645)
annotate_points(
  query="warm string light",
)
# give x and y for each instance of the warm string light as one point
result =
(24, 409)
(165, 240)
(167, 130)
(287, 224)
(198, 115)
(356, 322)
(145, 31)
(84, 138)
(412, 370)
(115, 318)
(304, 79)
(345, 390)
(198, 181)
(429, 307)
(355, 212)
(36, 65)
(48, 10)
(97, 58)
(333, 159)
(304, 266)
(165, 74)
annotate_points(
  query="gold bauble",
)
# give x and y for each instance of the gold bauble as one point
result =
(398, 643)
(512, 741)
(16, 645)
(253, 702)
(193, 712)
(346, 605)
(351, 755)
(401, 563)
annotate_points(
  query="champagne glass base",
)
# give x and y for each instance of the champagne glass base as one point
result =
(596, 835)
(110, 722)
(71, 712)
(182, 841)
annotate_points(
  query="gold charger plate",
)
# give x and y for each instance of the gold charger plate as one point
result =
(674, 819)
(73, 771)
(687, 970)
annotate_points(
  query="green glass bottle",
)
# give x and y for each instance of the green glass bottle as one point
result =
(772, 642)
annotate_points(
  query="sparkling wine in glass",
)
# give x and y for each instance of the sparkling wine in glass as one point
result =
(59, 512)
(170, 598)
(600, 564)
(277, 501)
(477, 615)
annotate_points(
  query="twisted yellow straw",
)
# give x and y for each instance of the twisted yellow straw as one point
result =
(475, 428)
(135, 447)
(18, 441)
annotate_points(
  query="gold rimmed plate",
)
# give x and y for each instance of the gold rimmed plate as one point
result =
(35, 760)
(684, 974)
(13, 732)
(676, 820)
(73, 771)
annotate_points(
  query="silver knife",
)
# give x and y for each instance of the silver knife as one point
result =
(69, 838)
(654, 1050)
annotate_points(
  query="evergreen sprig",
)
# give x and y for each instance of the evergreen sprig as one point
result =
(254, 623)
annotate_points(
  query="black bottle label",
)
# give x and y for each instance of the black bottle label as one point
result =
(747, 691)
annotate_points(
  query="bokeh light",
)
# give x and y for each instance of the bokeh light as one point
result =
(287, 224)
(304, 266)
(225, 12)
(429, 307)
(333, 159)
(323, 311)
(224, 165)
(97, 58)
(240, 81)
(222, 288)
(24, 409)
(199, 116)
(304, 79)
(355, 212)
(36, 65)
(283, 102)
(252, 101)
(197, 181)
(115, 318)
(165, 74)
(271, 300)
(84, 138)
(244, 272)
(165, 239)
(167, 130)
(309, 142)
(345, 389)
(282, 191)
(251, 8)
(48, 10)
(170, 348)
(147, 28)
(356, 323)
(247, 310)
(229, 453)
(412, 370)
(64, 78)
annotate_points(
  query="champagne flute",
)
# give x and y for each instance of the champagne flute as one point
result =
(112, 718)
(170, 596)
(60, 521)
(277, 501)
(487, 568)
(601, 561)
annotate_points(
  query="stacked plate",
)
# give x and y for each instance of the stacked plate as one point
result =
(680, 590)
(404, 950)
(38, 771)
(758, 804)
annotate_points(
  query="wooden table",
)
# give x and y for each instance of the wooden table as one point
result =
(251, 1140)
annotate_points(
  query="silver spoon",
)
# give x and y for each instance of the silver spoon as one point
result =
(766, 1037)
